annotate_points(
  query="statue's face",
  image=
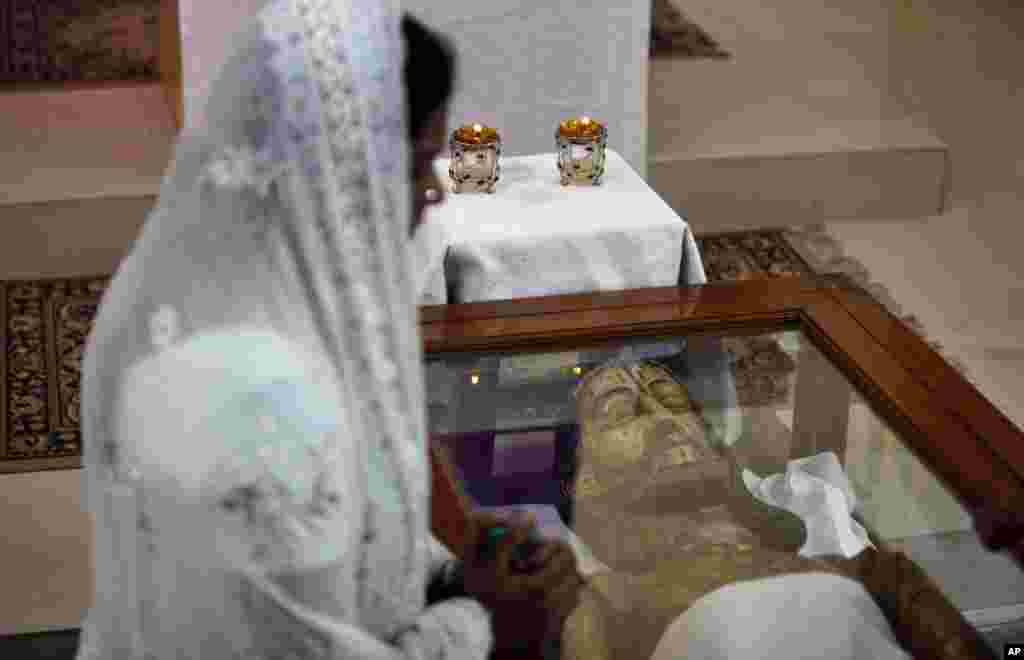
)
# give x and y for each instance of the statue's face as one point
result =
(638, 425)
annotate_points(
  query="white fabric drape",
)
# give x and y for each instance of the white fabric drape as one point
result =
(792, 617)
(253, 398)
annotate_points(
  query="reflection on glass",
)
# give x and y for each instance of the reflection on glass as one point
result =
(637, 455)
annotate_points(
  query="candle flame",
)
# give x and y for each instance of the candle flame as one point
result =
(585, 120)
(477, 128)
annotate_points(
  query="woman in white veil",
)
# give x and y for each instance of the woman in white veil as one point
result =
(253, 404)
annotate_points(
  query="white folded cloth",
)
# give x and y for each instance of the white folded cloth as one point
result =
(818, 491)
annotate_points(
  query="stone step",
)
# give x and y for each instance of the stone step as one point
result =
(804, 123)
(777, 190)
(105, 141)
(65, 238)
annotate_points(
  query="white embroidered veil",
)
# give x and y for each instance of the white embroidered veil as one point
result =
(285, 215)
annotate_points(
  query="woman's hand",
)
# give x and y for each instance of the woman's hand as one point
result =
(561, 583)
(527, 607)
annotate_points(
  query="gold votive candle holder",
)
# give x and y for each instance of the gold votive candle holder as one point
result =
(475, 164)
(582, 143)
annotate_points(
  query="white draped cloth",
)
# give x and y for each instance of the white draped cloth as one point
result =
(792, 617)
(535, 237)
(253, 398)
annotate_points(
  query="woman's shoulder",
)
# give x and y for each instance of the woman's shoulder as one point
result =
(218, 396)
(237, 443)
(248, 353)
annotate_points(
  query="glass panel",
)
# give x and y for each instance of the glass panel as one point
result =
(669, 466)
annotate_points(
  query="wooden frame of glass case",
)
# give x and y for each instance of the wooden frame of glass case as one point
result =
(972, 447)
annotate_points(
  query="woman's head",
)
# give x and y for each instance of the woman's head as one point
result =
(429, 81)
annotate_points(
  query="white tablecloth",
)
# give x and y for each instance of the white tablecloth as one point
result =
(429, 246)
(534, 237)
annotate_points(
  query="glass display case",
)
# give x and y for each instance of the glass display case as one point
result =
(660, 432)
